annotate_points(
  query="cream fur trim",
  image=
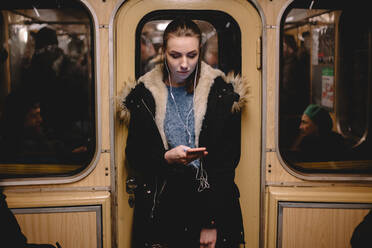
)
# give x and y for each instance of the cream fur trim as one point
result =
(206, 80)
(124, 113)
(153, 81)
(241, 87)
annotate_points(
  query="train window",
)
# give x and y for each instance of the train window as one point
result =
(325, 87)
(47, 88)
(218, 30)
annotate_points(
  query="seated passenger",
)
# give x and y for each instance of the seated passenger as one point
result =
(10, 232)
(40, 78)
(23, 139)
(317, 141)
(362, 237)
(54, 76)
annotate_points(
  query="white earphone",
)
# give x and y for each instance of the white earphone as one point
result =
(201, 175)
(185, 124)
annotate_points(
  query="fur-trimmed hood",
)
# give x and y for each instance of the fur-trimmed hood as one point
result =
(153, 81)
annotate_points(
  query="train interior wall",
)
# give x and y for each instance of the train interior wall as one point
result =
(280, 209)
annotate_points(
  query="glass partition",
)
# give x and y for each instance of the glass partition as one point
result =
(325, 87)
(220, 39)
(47, 88)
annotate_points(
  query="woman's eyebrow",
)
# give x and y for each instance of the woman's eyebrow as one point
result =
(173, 51)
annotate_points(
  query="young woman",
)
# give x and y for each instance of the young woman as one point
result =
(184, 145)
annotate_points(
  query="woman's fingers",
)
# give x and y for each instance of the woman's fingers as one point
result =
(193, 156)
(208, 238)
(184, 154)
(196, 153)
(176, 155)
(208, 245)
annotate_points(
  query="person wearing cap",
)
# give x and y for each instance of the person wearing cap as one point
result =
(40, 77)
(46, 37)
(317, 141)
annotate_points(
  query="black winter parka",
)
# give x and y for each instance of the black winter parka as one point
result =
(171, 206)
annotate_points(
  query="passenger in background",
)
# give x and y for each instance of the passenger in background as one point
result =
(3, 54)
(362, 234)
(317, 141)
(10, 231)
(305, 47)
(74, 84)
(22, 136)
(61, 84)
(294, 87)
(303, 68)
(40, 79)
(294, 91)
(147, 54)
(3, 57)
(76, 53)
(156, 60)
(211, 51)
(11, 235)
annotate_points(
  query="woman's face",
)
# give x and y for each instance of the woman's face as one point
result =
(307, 126)
(33, 119)
(182, 55)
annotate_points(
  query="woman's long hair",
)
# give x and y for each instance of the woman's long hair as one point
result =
(182, 27)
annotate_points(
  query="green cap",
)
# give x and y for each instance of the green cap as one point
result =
(320, 117)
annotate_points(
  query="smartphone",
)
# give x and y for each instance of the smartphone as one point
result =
(194, 151)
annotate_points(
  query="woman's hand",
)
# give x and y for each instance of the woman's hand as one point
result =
(208, 238)
(184, 154)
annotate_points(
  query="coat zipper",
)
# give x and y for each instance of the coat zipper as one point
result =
(156, 178)
(148, 109)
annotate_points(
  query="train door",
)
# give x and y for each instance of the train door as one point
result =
(143, 21)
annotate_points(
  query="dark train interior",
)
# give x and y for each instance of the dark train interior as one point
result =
(47, 89)
(326, 60)
(47, 81)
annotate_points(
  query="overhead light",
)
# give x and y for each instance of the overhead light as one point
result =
(23, 34)
(289, 19)
(36, 11)
(162, 26)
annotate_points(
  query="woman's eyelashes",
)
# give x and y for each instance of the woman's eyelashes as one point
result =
(192, 55)
(179, 55)
(175, 55)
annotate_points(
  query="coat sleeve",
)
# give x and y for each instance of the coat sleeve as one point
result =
(222, 136)
(222, 190)
(144, 147)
